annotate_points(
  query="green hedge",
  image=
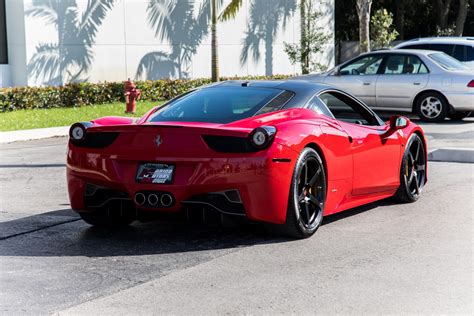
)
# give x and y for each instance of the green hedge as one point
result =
(82, 94)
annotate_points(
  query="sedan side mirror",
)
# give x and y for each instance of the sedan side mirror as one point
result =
(398, 122)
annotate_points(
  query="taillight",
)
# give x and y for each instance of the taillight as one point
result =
(81, 137)
(471, 84)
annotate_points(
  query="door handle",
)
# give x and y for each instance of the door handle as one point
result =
(367, 83)
(416, 83)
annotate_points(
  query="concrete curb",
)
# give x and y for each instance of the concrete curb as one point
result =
(31, 134)
(448, 154)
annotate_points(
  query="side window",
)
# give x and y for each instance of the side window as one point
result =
(469, 53)
(404, 65)
(367, 65)
(459, 52)
(419, 46)
(346, 109)
(413, 65)
(317, 106)
(445, 48)
(394, 65)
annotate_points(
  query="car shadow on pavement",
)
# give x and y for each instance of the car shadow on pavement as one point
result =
(62, 233)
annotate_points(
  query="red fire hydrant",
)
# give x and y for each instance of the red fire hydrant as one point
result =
(132, 94)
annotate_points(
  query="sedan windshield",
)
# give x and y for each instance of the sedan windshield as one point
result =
(216, 105)
(447, 62)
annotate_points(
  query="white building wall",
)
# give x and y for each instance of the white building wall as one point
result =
(124, 39)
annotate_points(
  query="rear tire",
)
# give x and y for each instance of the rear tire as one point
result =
(412, 171)
(105, 219)
(431, 107)
(307, 196)
(459, 115)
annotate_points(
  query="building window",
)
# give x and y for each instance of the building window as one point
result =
(3, 34)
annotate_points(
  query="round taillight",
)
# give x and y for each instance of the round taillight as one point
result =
(262, 137)
(77, 132)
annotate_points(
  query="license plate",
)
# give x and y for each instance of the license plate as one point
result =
(155, 173)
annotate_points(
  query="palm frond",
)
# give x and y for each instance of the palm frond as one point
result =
(92, 18)
(231, 10)
(251, 45)
(156, 65)
(45, 64)
(47, 10)
(159, 17)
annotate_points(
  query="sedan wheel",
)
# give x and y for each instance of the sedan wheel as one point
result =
(307, 196)
(431, 107)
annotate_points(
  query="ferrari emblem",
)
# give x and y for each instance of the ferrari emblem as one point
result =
(158, 140)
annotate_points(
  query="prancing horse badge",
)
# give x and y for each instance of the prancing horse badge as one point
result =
(158, 141)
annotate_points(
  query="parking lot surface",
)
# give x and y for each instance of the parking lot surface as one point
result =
(380, 258)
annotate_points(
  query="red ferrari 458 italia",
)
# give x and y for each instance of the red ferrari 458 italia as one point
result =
(285, 153)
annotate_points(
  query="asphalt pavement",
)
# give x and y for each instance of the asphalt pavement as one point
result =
(380, 258)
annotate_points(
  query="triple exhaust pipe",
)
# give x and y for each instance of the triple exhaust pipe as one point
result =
(153, 199)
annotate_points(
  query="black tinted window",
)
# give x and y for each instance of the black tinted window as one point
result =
(469, 53)
(459, 52)
(346, 109)
(445, 48)
(216, 105)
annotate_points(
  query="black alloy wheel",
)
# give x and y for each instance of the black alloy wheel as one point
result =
(307, 196)
(413, 170)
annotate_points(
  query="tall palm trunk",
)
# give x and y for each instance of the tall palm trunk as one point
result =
(214, 55)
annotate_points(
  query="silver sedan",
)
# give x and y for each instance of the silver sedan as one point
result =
(431, 84)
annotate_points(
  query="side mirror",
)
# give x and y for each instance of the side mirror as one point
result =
(398, 122)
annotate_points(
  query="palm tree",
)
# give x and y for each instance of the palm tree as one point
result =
(228, 13)
(175, 22)
(71, 56)
(265, 19)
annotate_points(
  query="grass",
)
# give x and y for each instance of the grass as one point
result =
(39, 118)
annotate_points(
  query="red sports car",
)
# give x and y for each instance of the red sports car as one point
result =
(281, 152)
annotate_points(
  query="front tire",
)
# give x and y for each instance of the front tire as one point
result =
(432, 107)
(412, 171)
(307, 196)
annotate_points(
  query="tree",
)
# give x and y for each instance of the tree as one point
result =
(461, 19)
(313, 39)
(363, 12)
(442, 7)
(184, 29)
(229, 12)
(382, 32)
(400, 18)
(265, 18)
(71, 56)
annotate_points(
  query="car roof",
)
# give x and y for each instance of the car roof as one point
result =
(440, 40)
(304, 90)
(402, 51)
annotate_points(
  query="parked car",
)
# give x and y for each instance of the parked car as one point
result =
(280, 152)
(429, 83)
(461, 48)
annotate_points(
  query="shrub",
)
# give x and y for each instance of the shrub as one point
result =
(83, 94)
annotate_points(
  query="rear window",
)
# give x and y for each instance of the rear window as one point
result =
(447, 62)
(217, 105)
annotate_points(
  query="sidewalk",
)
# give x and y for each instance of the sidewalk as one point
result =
(31, 134)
